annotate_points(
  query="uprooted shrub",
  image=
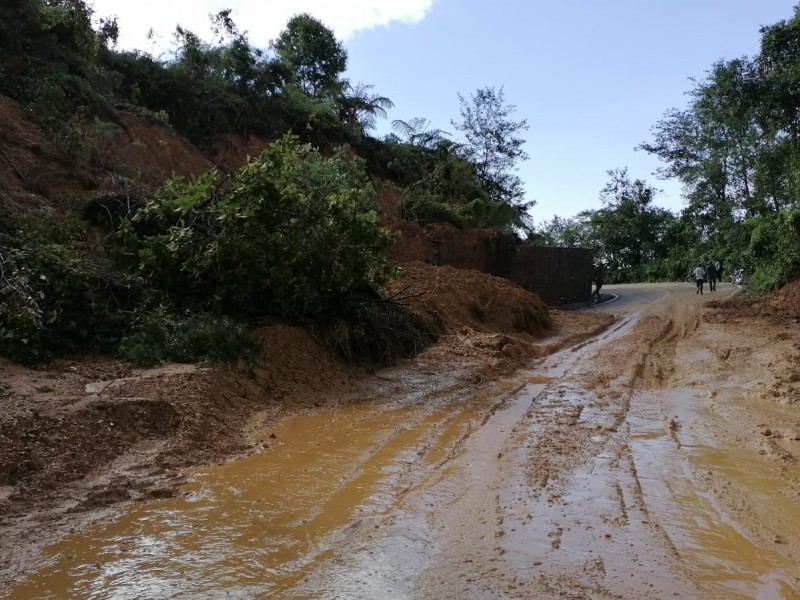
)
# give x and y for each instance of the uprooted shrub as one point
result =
(378, 333)
(292, 234)
(55, 297)
(159, 336)
(421, 205)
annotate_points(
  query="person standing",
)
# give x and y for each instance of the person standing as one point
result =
(699, 278)
(711, 276)
(598, 283)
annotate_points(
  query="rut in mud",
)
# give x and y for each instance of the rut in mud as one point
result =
(656, 460)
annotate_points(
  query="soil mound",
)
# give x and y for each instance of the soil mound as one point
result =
(233, 150)
(60, 422)
(146, 151)
(786, 300)
(30, 176)
(457, 298)
(780, 306)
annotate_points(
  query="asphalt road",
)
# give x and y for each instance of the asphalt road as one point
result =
(622, 299)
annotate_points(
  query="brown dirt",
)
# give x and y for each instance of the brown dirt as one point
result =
(655, 460)
(30, 177)
(34, 176)
(233, 150)
(781, 306)
(78, 435)
(147, 152)
(472, 248)
(463, 298)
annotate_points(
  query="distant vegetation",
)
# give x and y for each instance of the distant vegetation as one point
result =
(736, 149)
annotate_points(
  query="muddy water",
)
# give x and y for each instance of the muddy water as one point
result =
(543, 492)
(258, 525)
(680, 475)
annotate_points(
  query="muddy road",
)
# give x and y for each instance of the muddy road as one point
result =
(655, 460)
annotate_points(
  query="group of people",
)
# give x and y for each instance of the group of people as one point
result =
(711, 273)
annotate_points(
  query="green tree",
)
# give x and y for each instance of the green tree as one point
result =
(313, 55)
(493, 144)
(417, 132)
(360, 107)
(628, 233)
(562, 231)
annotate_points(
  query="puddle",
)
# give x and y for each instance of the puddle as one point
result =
(297, 520)
(538, 379)
(257, 526)
(721, 557)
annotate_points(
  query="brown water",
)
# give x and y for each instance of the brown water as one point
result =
(257, 525)
(678, 473)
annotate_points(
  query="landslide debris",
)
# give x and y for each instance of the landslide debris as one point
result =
(455, 298)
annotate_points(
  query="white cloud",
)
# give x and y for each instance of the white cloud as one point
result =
(262, 19)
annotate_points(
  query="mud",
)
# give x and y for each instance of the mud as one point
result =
(657, 459)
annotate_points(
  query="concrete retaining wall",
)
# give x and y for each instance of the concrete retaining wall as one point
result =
(557, 275)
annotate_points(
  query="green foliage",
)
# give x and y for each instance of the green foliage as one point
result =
(736, 149)
(54, 299)
(293, 234)
(417, 203)
(158, 336)
(774, 250)
(418, 132)
(631, 237)
(493, 144)
(378, 334)
(49, 60)
(312, 54)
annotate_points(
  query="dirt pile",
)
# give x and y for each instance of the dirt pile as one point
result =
(457, 298)
(146, 151)
(30, 176)
(62, 422)
(442, 243)
(233, 150)
(488, 322)
(781, 306)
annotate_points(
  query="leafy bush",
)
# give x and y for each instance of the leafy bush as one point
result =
(774, 251)
(418, 204)
(53, 298)
(379, 334)
(159, 336)
(293, 234)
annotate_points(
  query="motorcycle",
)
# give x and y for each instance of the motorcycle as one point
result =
(737, 277)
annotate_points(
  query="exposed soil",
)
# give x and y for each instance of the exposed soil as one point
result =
(655, 458)
(652, 458)
(80, 435)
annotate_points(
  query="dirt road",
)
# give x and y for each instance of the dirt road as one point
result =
(656, 460)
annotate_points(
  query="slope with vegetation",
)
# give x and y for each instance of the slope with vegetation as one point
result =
(103, 250)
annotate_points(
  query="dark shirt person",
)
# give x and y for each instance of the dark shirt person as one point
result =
(598, 285)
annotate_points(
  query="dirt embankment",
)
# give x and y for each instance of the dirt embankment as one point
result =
(120, 152)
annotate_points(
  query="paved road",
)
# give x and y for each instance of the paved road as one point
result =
(623, 299)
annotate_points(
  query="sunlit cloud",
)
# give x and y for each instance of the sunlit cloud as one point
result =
(262, 19)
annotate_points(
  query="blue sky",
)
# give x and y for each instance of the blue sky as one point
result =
(591, 77)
